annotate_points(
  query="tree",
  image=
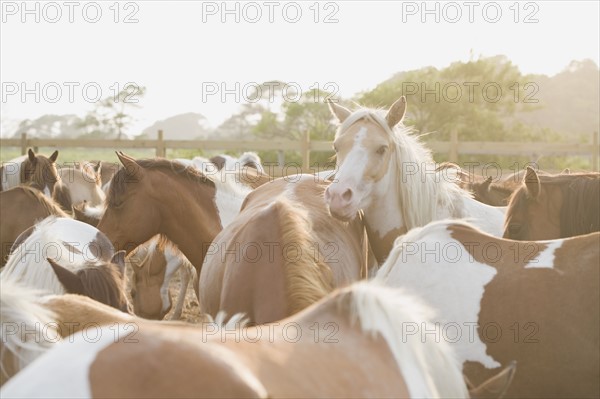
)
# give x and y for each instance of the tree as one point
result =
(111, 116)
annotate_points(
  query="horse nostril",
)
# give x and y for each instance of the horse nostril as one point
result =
(347, 196)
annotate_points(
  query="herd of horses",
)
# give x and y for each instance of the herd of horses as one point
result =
(392, 277)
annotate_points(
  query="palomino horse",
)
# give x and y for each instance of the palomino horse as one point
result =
(61, 255)
(153, 269)
(78, 185)
(20, 208)
(384, 170)
(498, 301)
(548, 207)
(150, 197)
(350, 344)
(36, 170)
(282, 253)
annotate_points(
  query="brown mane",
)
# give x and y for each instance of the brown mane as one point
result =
(104, 284)
(119, 181)
(49, 205)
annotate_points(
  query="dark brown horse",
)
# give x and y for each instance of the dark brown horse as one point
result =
(20, 208)
(547, 207)
(36, 170)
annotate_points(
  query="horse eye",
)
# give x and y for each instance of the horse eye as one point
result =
(133, 292)
(381, 150)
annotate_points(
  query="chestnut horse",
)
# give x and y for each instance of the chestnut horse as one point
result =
(158, 196)
(499, 301)
(282, 253)
(20, 208)
(384, 170)
(36, 170)
(350, 344)
(546, 207)
(60, 255)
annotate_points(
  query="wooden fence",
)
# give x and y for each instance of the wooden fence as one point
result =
(453, 148)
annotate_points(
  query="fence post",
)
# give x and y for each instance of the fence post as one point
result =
(595, 151)
(453, 153)
(160, 145)
(306, 151)
(23, 143)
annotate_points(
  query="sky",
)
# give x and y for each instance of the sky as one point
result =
(202, 56)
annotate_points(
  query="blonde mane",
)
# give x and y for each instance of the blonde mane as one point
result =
(308, 278)
(422, 193)
(429, 367)
(36, 329)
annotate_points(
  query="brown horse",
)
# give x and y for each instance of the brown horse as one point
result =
(36, 170)
(546, 207)
(499, 301)
(150, 197)
(282, 253)
(20, 208)
(350, 344)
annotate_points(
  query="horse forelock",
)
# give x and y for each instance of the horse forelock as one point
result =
(41, 172)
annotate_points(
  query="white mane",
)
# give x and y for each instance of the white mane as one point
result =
(28, 265)
(34, 324)
(424, 193)
(430, 369)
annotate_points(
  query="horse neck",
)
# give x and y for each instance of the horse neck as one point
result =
(193, 222)
(409, 200)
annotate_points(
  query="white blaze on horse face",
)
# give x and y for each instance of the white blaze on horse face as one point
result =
(441, 270)
(350, 176)
(69, 362)
(545, 258)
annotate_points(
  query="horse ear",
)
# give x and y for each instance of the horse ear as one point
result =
(31, 155)
(53, 156)
(119, 259)
(486, 184)
(496, 386)
(67, 278)
(98, 166)
(341, 113)
(396, 112)
(566, 171)
(532, 182)
(132, 168)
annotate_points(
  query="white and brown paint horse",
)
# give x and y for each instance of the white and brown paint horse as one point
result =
(20, 208)
(61, 255)
(384, 170)
(79, 184)
(498, 301)
(360, 351)
(282, 253)
(158, 196)
(35, 170)
(554, 206)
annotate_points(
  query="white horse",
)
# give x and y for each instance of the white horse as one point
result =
(384, 170)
